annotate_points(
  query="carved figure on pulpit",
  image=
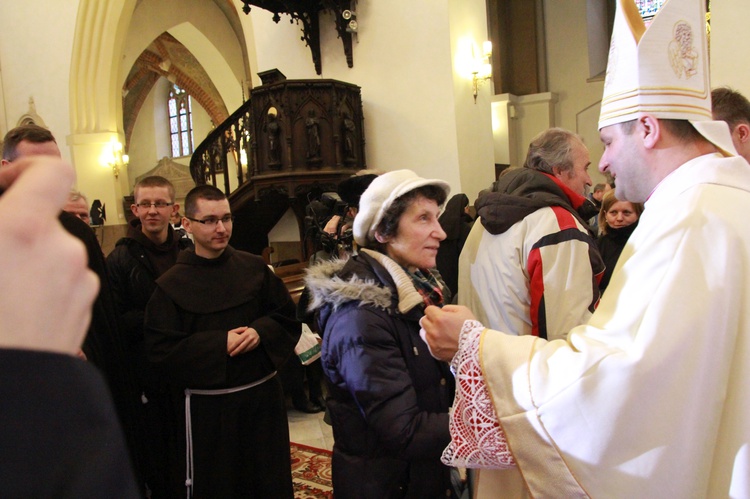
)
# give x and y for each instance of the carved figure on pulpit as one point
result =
(313, 135)
(349, 129)
(273, 130)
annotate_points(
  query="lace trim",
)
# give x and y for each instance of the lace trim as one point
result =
(477, 440)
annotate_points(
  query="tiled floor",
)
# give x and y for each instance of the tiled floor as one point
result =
(309, 429)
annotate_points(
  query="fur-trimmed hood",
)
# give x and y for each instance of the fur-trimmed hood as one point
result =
(327, 287)
(371, 278)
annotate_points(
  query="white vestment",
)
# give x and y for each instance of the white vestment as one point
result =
(651, 398)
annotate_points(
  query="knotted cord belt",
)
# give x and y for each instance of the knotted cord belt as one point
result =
(189, 424)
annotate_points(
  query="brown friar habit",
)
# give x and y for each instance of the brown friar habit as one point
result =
(240, 440)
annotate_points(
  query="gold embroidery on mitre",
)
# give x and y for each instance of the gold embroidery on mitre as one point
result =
(682, 54)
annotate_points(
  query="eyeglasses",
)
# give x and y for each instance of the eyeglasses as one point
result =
(159, 205)
(212, 221)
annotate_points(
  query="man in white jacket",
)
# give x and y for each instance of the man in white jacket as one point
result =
(530, 264)
(649, 398)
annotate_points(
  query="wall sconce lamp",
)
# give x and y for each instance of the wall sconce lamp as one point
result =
(481, 68)
(113, 157)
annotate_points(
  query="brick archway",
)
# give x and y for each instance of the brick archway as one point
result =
(167, 57)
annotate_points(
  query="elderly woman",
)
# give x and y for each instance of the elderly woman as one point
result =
(617, 220)
(388, 398)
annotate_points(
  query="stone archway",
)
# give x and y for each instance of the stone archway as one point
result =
(95, 99)
(167, 57)
(96, 106)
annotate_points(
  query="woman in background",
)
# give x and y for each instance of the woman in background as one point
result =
(617, 220)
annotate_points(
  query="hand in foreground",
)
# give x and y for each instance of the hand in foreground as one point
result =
(242, 340)
(441, 328)
(47, 288)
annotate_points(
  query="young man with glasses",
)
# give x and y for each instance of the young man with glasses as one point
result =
(149, 249)
(218, 326)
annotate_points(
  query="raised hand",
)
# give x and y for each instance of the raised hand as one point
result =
(47, 287)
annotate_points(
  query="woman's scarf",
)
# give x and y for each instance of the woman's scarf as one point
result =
(428, 286)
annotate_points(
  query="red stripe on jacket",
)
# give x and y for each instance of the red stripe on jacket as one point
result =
(534, 266)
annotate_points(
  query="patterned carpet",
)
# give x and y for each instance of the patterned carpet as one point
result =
(311, 472)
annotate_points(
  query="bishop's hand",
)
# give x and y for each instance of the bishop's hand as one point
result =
(441, 328)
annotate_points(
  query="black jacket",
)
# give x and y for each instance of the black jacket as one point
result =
(457, 225)
(132, 278)
(104, 346)
(59, 430)
(611, 245)
(388, 397)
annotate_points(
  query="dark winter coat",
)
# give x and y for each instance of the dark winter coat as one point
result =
(59, 431)
(388, 397)
(132, 278)
(104, 345)
(611, 245)
(457, 224)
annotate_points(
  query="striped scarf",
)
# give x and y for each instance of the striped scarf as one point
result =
(428, 287)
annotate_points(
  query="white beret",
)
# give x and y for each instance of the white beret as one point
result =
(379, 196)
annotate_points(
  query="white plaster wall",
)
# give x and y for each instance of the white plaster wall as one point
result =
(159, 119)
(516, 121)
(567, 71)
(473, 121)
(285, 230)
(142, 149)
(729, 41)
(210, 58)
(201, 123)
(36, 42)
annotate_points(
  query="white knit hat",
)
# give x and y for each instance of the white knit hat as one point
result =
(379, 196)
(662, 70)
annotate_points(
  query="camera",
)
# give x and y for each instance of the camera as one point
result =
(318, 214)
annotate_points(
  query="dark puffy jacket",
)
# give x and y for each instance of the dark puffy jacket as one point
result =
(610, 246)
(132, 278)
(388, 397)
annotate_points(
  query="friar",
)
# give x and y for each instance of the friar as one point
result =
(218, 326)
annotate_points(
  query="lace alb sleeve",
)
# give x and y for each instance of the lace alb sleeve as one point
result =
(477, 441)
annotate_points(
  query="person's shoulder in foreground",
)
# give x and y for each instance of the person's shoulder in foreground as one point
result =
(60, 423)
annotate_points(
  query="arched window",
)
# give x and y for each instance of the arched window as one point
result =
(648, 9)
(180, 122)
